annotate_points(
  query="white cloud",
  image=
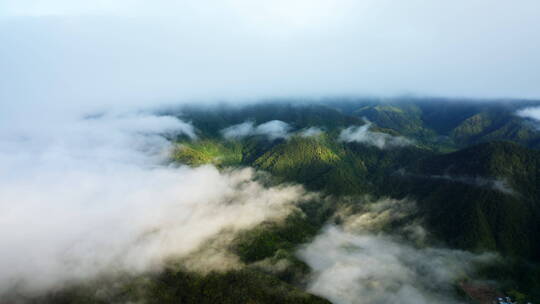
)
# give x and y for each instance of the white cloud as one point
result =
(239, 131)
(311, 132)
(530, 112)
(375, 216)
(84, 196)
(273, 130)
(362, 134)
(369, 268)
(360, 263)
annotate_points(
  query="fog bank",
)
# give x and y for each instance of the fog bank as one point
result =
(377, 256)
(362, 134)
(94, 195)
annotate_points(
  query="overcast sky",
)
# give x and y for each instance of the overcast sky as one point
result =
(66, 53)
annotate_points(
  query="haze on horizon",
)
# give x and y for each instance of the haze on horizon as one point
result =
(76, 54)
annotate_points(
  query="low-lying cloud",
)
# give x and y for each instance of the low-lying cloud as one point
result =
(377, 216)
(358, 263)
(500, 185)
(532, 113)
(311, 132)
(94, 195)
(272, 130)
(362, 134)
(351, 268)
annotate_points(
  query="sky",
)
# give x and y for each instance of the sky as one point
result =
(79, 54)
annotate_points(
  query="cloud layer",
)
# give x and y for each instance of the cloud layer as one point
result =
(311, 132)
(531, 113)
(369, 268)
(362, 134)
(358, 263)
(95, 195)
(272, 130)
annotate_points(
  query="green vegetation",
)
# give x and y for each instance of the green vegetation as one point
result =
(178, 286)
(304, 160)
(270, 239)
(208, 152)
(406, 119)
(487, 200)
(239, 286)
(518, 278)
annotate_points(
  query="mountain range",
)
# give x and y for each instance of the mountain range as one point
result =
(471, 167)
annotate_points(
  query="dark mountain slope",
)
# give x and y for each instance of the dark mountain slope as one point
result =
(516, 165)
(243, 286)
(176, 286)
(482, 197)
(495, 125)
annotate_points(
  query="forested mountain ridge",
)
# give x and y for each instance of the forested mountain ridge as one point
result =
(485, 196)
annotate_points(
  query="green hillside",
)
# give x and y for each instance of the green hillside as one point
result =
(482, 197)
(299, 159)
(177, 286)
(208, 152)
